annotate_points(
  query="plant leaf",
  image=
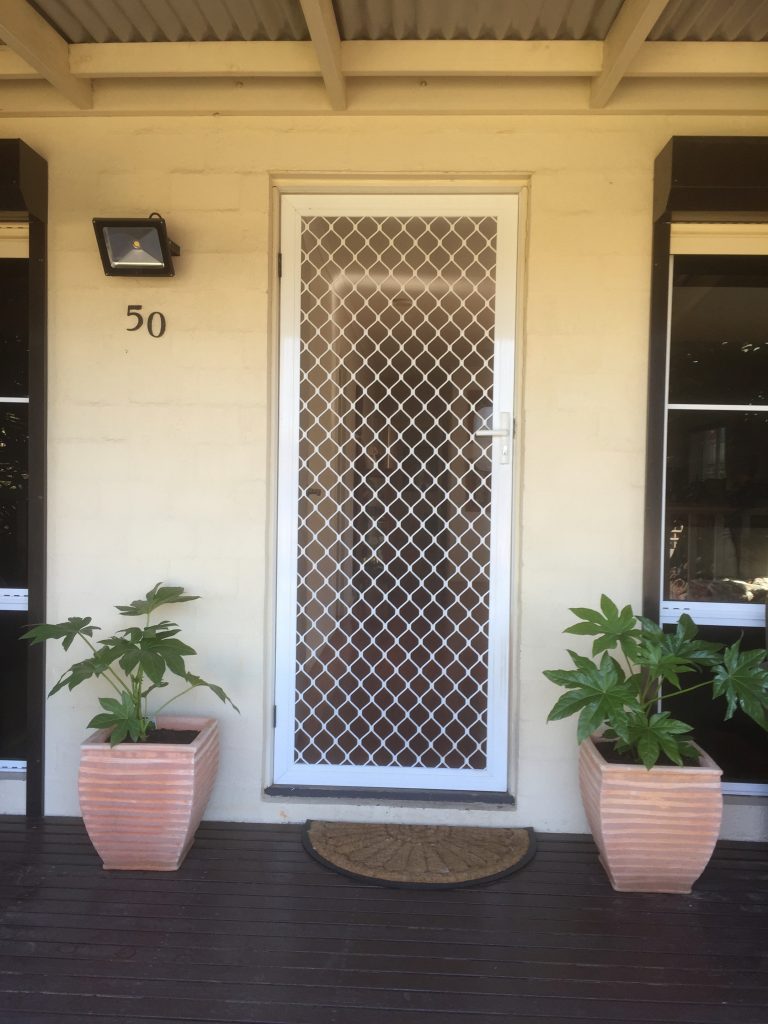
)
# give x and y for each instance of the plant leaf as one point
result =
(123, 717)
(176, 665)
(159, 595)
(144, 654)
(743, 680)
(118, 734)
(64, 631)
(662, 663)
(648, 737)
(152, 664)
(155, 686)
(569, 704)
(78, 673)
(648, 748)
(610, 627)
(600, 693)
(194, 680)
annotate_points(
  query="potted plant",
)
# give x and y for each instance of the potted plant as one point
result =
(145, 777)
(652, 797)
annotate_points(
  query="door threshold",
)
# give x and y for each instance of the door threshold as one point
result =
(424, 796)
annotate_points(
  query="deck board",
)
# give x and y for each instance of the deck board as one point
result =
(252, 931)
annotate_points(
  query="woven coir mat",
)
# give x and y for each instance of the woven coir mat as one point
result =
(419, 856)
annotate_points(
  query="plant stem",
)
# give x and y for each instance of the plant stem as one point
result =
(630, 667)
(136, 695)
(679, 693)
(172, 699)
(117, 684)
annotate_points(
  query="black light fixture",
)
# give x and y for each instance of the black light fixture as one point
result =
(135, 246)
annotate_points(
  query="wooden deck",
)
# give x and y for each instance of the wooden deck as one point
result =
(251, 930)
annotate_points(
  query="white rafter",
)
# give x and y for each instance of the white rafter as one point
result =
(33, 39)
(625, 38)
(324, 33)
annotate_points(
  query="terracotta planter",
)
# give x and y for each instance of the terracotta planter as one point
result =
(142, 802)
(655, 829)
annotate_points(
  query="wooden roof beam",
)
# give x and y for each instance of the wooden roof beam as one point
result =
(486, 58)
(625, 38)
(397, 59)
(33, 39)
(235, 59)
(452, 97)
(324, 33)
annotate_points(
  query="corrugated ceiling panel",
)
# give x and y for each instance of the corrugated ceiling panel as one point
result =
(130, 21)
(103, 21)
(475, 19)
(713, 21)
(151, 21)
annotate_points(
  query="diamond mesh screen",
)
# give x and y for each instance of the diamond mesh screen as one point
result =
(396, 368)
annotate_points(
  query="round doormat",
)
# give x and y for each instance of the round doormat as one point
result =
(419, 856)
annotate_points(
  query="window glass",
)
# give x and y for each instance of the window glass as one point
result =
(717, 506)
(714, 509)
(13, 672)
(13, 495)
(719, 331)
(13, 329)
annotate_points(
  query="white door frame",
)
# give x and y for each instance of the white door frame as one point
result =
(494, 778)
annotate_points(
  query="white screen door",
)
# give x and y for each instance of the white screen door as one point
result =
(395, 491)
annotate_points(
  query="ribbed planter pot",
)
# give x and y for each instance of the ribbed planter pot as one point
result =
(656, 829)
(142, 802)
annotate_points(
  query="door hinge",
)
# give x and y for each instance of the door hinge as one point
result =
(279, 264)
(274, 716)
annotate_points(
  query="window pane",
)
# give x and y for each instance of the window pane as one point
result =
(13, 328)
(719, 331)
(717, 506)
(738, 745)
(13, 693)
(13, 495)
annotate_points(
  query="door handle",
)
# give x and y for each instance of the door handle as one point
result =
(503, 432)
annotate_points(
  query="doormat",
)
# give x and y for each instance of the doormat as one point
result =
(419, 856)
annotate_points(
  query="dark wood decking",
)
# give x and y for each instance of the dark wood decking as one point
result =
(251, 930)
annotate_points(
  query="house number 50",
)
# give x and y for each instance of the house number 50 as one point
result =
(155, 321)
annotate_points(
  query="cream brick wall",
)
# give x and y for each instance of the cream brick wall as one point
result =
(159, 449)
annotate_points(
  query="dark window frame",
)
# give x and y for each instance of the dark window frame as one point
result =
(696, 179)
(24, 197)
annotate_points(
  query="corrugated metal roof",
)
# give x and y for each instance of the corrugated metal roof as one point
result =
(110, 21)
(152, 21)
(475, 19)
(713, 21)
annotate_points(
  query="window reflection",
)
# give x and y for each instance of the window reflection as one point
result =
(13, 495)
(13, 329)
(719, 331)
(717, 506)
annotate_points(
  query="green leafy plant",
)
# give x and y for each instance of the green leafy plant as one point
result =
(623, 693)
(134, 663)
